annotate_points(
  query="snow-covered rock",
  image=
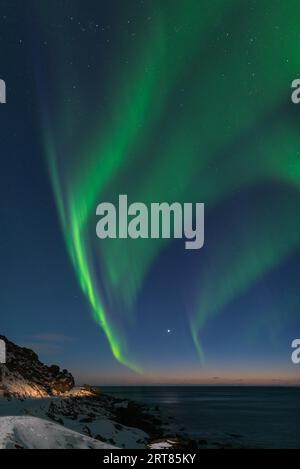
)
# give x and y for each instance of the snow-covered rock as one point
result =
(41, 408)
(35, 433)
(90, 416)
(163, 443)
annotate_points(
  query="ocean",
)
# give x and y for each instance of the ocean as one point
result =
(256, 417)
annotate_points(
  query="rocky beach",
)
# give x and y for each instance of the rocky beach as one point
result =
(45, 400)
(42, 407)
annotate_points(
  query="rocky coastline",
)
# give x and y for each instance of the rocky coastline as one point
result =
(29, 388)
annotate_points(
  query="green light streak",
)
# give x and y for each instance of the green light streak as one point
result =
(231, 134)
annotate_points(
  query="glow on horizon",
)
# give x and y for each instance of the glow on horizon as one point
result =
(207, 378)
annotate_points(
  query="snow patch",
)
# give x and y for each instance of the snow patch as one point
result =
(35, 433)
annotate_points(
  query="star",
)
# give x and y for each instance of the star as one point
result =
(169, 331)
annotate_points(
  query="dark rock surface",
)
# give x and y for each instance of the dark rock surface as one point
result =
(24, 375)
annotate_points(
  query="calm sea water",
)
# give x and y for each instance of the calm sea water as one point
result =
(267, 417)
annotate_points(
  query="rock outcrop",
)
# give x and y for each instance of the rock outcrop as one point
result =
(23, 375)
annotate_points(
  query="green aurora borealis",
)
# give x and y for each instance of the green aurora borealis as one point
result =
(192, 105)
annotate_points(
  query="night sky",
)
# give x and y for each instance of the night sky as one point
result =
(186, 101)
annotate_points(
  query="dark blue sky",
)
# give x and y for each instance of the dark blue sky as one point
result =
(41, 303)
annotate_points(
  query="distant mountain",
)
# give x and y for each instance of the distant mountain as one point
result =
(35, 433)
(24, 375)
